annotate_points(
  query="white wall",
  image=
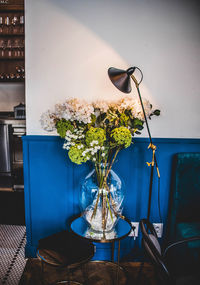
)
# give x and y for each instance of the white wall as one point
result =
(71, 44)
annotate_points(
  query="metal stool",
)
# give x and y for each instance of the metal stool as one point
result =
(64, 250)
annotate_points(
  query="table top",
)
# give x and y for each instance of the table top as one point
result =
(80, 227)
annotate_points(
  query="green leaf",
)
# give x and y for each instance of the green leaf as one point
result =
(101, 118)
(156, 112)
(137, 122)
(93, 118)
(139, 127)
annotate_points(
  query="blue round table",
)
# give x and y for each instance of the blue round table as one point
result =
(80, 227)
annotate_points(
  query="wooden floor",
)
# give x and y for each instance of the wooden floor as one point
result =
(92, 273)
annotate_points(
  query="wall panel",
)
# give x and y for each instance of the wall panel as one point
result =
(52, 184)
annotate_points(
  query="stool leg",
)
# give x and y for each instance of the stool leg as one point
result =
(68, 275)
(42, 271)
(118, 257)
(85, 273)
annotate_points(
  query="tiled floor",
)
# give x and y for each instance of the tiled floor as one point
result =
(12, 259)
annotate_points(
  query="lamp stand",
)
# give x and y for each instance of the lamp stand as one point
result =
(153, 147)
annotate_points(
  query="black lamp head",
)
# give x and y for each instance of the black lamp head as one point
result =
(121, 78)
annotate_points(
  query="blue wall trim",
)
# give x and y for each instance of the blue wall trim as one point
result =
(52, 184)
(136, 139)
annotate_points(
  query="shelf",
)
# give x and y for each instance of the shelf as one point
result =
(12, 41)
(11, 58)
(12, 6)
(12, 80)
(12, 35)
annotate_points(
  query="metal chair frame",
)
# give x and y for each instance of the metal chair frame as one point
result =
(159, 258)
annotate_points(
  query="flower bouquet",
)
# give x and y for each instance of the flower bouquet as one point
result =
(97, 132)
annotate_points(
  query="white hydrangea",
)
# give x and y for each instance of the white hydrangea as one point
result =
(59, 110)
(79, 110)
(75, 109)
(133, 104)
(47, 121)
(102, 105)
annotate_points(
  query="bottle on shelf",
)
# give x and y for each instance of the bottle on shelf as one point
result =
(7, 25)
(15, 24)
(21, 21)
(1, 24)
(12, 44)
(2, 47)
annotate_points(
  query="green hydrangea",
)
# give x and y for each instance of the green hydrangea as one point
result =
(63, 126)
(123, 119)
(121, 136)
(76, 154)
(95, 134)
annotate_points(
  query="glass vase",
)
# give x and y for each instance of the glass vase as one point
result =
(101, 198)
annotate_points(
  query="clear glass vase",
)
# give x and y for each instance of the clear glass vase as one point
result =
(101, 198)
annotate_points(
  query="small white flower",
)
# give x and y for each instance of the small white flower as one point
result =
(102, 147)
(103, 154)
(72, 143)
(94, 159)
(80, 146)
(87, 158)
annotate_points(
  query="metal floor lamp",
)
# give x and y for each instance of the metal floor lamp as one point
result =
(121, 80)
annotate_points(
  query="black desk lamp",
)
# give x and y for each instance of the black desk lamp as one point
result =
(121, 80)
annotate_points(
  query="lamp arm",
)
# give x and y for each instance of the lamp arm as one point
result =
(145, 117)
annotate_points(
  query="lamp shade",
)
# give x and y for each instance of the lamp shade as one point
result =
(121, 78)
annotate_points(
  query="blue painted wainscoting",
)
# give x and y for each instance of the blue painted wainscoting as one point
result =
(52, 185)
